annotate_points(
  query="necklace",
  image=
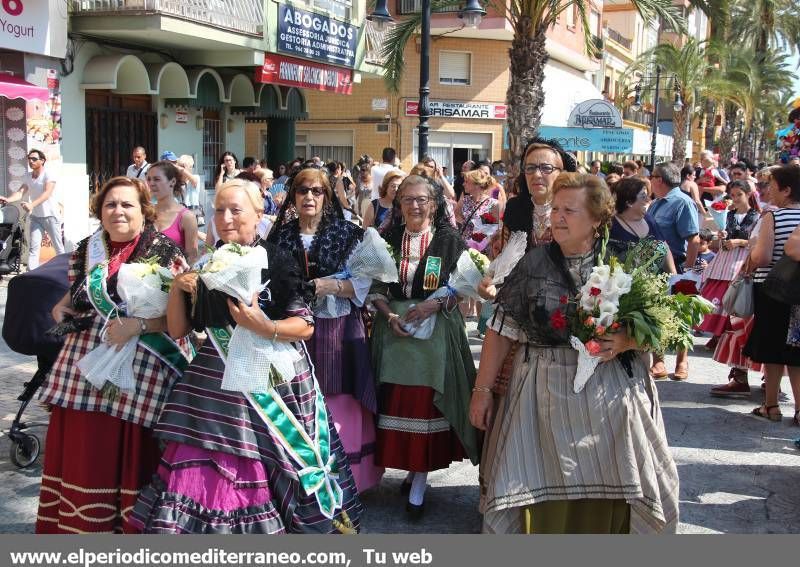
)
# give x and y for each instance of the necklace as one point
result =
(541, 219)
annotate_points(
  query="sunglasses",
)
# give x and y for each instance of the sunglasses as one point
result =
(316, 191)
(34, 158)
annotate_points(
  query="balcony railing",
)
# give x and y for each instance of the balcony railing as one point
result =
(373, 43)
(619, 38)
(243, 16)
(414, 6)
(638, 116)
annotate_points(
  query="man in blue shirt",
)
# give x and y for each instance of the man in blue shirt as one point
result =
(676, 216)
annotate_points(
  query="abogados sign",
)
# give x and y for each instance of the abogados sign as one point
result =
(595, 113)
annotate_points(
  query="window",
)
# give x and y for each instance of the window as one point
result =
(330, 145)
(213, 146)
(339, 9)
(594, 22)
(454, 67)
(382, 128)
(569, 17)
(607, 87)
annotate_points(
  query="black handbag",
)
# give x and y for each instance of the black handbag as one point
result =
(783, 281)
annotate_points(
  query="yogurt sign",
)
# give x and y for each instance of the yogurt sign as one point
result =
(25, 26)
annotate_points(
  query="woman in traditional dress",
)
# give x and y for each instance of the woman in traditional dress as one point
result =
(424, 384)
(262, 461)
(556, 461)
(321, 241)
(166, 185)
(733, 250)
(100, 447)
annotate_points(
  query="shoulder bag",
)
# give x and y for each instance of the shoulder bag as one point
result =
(738, 299)
(783, 281)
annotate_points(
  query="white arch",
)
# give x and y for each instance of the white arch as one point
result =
(123, 74)
(275, 90)
(169, 80)
(194, 82)
(240, 90)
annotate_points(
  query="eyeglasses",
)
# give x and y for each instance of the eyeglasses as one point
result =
(545, 168)
(655, 177)
(421, 201)
(34, 158)
(316, 191)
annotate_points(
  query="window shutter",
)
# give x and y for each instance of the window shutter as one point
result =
(454, 68)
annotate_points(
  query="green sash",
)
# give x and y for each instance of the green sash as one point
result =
(160, 344)
(318, 470)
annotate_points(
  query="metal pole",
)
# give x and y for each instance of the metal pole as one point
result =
(654, 139)
(424, 72)
(741, 135)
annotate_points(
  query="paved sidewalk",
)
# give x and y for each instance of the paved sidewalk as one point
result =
(738, 473)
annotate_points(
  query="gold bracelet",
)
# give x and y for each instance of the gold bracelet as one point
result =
(275, 334)
(481, 389)
(392, 316)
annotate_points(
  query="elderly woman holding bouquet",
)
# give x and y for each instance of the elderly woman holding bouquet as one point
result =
(321, 241)
(250, 446)
(100, 446)
(557, 461)
(424, 383)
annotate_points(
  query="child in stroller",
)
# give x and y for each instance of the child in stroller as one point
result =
(31, 297)
(10, 240)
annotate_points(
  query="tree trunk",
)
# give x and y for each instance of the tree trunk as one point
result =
(525, 96)
(679, 134)
(711, 124)
(727, 138)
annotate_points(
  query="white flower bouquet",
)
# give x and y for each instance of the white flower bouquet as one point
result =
(370, 258)
(509, 257)
(254, 363)
(144, 289)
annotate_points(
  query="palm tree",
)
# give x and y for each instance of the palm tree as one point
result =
(530, 20)
(767, 24)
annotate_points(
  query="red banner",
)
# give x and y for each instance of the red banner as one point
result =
(291, 72)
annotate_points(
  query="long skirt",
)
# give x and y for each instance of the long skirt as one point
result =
(94, 467)
(342, 365)
(585, 516)
(767, 342)
(731, 344)
(718, 321)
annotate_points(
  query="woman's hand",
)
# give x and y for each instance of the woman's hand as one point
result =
(421, 311)
(480, 410)
(186, 282)
(396, 326)
(248, 316)
(326, 286)
(120, 331)
(60, 311)
(486, 289)
(612, 344)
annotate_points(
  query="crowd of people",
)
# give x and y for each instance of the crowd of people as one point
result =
(181, 452)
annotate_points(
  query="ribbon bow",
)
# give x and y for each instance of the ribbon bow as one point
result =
(322, 482)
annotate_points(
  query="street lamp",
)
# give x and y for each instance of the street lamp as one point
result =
(741, 135)
(380, 17)
(655, 85)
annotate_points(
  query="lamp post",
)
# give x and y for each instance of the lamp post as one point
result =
(739, 146)
(656, 87)
(380, 17)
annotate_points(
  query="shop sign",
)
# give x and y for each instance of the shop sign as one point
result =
(291, 72)
(380, 103)
(316, 37)
(25, 25)
(457, 109)
(595, 113)
(606, 140)
(181, 116)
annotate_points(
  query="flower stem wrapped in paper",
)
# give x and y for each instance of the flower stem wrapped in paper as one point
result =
(371, 258)
(144, 289)
(254, 363)
(510, 256)
(631, 298)
(719, 212)
(463, 281)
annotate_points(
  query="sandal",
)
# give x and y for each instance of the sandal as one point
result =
(764, 411)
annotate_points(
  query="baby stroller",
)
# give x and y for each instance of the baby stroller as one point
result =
(31, 297)
(11, 234)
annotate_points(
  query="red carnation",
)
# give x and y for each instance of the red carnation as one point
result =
(478, 236)
(593, 347)
(563, 300)
(595, 291)
(488, 218)
(719, 206)
(558, 321)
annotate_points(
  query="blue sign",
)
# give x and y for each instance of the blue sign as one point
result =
(606, 140)
(316, 37)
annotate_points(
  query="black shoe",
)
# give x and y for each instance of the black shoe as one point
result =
(415, 511)
(405, 487)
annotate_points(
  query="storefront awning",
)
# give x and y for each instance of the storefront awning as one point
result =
(14, 87)
(564, 88)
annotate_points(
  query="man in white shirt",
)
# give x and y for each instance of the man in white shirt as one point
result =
(380, 170)
(38, 190)
(138, 169)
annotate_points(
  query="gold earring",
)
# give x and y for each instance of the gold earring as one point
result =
(596, 233)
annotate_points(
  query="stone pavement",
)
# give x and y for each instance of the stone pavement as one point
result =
(739, 473)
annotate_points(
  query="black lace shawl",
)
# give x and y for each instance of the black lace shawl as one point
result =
(151, 244)
(446, 244)
(332, 244)
(282, 298)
